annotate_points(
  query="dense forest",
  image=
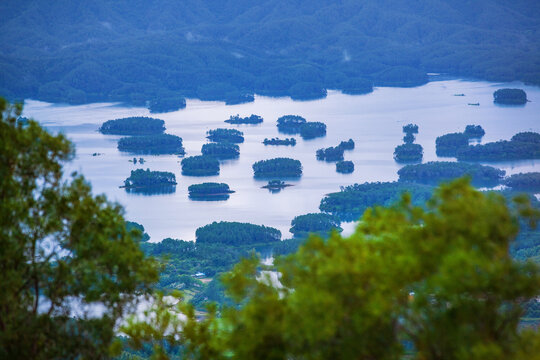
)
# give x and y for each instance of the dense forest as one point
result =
(133, 126)
(278, 141)
(200, 165)
(345, 167)
(349, 203)
(317, 223)
(80, 52)
(525, 145)
(435, 172)
(166, 104)
(209, 191)
(277, 168)
(152, 144)
(524, 182)
(235, 233)
(252, 119)
(221, 150)
(147, 178)
(510, 97)
(225, 135)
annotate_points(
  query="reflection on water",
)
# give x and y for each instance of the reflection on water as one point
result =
(152, 190)
(373, 121)
(221, 197)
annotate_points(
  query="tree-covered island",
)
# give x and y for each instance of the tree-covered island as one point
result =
(290, 124)
(278, 141)
(276, 185)
(277, 168)
(334, 153)
(447, 145)
(252, 119)
(510, 97)
(221, 150)
(200, 165)
(345, 167)
(236, 233)
(524, 182)
(435, 172)
(166, 104)
(405, 153)
(312, 130)
(209, 191)
(474, 131)
(225, 135)
(150, 182)
(410, 129)
(152, 145)
(314, 223)
(525, 145)
(138, 125)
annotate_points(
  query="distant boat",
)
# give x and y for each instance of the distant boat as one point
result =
(474, 104)
(459, 94)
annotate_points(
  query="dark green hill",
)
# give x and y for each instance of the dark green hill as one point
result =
(78, 51)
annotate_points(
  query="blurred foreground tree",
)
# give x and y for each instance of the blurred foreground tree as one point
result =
(69, 269)
(433, 283)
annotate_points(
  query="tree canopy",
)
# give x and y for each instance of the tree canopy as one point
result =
(152, 144)
(426, 283)
(70, 268)
(139, 125)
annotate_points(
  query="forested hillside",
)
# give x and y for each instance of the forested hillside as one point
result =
(137, 51)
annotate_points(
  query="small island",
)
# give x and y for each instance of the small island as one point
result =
(275, 185)
(138, 125)
(152, 145)
(474, 131)
(150, 182)
(435, 172)
(236, 233)
(221, 151)
(163, 105)
(410, 129)
(347, 145)
(345, 167)
(225, 135)
(209, 191)
(525, 145)
(200, 165)
(278, 141)
(447, 145)
(314, 223)
(510, 97)
(330, 154)
(524, 182)
(236, 119)
(277, 168)
(290, 124)
(312, 130)
(408, 153)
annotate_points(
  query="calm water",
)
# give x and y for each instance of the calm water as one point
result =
(373, 121)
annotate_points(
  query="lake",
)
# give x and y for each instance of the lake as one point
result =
(374, 121)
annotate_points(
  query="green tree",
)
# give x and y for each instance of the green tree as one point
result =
(439, 278)
(69, 268)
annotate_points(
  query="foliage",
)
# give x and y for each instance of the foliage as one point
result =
(278, 141)
(238, 98)
(410, 129)
(152, 145)
(139, 125)
(319, 223)
(525, 145)
(356, 86)
(131, 225)
(65, 252)
(510, 97)
(347, 145)
(345, 167)
(524, 181)
(200, 165)
(307, 91)
(474, 131)
(236, 119)
(408, 153)
(225, 135)
(312, 129)
(349, 203)
(330, 154)
(163, 105)
(449, 144)
(145, 178)
(290, 124)
(209, 188)
(409, 138)
(440, 278)
(221, 151)
(435, 172)
(235, 233)
(277, 168)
